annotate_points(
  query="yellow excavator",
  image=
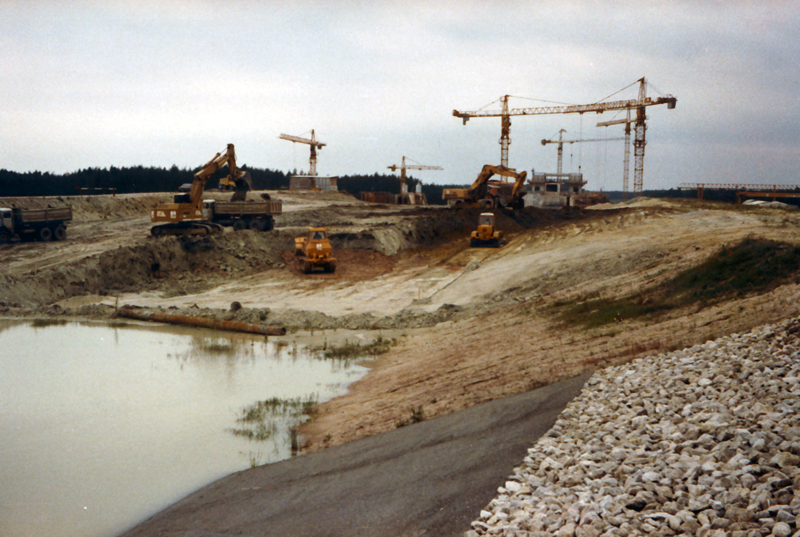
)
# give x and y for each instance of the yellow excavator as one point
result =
(485, 193)
(184, 216)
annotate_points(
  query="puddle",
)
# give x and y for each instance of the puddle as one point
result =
(104, 425)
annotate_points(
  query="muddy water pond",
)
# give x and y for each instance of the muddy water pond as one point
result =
(103, 425)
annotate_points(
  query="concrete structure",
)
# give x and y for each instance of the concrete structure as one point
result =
(553, 190)
(313, 182)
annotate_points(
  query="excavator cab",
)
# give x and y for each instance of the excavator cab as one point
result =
(486, 235)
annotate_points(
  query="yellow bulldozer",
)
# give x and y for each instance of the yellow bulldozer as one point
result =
(486, 235)
(314, 251)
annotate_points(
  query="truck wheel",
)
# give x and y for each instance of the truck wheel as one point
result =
(60, 233)
(4, 237)
(156, 231)
(307, 267)
(473, 243)
(269, 224)
(45, 234)
(255, 224)
(239, 225)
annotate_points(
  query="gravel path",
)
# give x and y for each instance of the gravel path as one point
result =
(703, 441)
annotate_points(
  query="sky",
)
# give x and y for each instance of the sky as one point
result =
(126, 83)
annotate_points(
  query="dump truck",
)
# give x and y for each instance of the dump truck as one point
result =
(314, 251)
(28, 224)
(255, 215)
(486, 235)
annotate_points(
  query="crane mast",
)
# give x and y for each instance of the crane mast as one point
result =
(625, 165)
(313, 142)
(639, 104)
(403, 167)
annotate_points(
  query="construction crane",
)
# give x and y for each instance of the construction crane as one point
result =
(561, 143)
(639, 104)
(626, 160)
(403, 167)
(313, 142)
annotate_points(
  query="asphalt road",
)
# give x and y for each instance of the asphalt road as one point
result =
(430, 479)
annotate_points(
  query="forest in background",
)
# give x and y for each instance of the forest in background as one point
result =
(139, 179)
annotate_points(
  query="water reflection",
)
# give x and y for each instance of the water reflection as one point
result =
(103, 425)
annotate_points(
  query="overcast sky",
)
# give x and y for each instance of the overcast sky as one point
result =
(126, 83)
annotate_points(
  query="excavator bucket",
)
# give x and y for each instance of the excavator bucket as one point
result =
(243, 185)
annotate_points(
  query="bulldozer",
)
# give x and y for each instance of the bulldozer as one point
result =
(314, 251)
(486, 235)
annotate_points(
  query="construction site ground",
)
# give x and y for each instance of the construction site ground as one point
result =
(468, 325)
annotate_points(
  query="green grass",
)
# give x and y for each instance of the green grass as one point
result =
(356, 350)
(417, 415)
(261, 420)
(752, 266)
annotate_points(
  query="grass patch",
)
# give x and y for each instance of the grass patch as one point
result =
(349, 350)
(752, 266)
(263, 419)
(417, 415)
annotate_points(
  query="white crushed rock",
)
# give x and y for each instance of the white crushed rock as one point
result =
(704, 441)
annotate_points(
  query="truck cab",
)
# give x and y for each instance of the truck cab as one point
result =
(6, 224)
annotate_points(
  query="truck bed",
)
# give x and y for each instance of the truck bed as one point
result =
(29, 216)
(242, 208)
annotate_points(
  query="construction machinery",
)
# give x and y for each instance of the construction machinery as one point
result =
(639, 104)
(240, 215)
(43, 224)
(405, 198)
(314, 251)
(313, 142)
(487, 193)
(486, 235)
(184, 216)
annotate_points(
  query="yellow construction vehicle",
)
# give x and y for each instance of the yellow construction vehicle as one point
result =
(485, 193)
(486, 235)
(185, 215)
(314, 251)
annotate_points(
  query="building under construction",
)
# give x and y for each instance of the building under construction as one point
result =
(313, 182)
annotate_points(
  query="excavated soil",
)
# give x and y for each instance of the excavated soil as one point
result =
(469, 324)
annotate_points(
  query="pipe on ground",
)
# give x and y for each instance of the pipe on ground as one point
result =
(205, 322)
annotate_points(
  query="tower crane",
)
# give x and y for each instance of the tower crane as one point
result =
(561, 143)
(625, 165)
(639, 104)
(313, 142)
(403, 167)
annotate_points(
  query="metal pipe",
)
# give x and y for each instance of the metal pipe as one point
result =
(188, 320)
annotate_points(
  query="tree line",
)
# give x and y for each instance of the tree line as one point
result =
(140, 179)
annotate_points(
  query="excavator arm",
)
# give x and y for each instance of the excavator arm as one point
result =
(479, 187)
(236, 177)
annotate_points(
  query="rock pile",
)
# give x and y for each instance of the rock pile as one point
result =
(703, 441)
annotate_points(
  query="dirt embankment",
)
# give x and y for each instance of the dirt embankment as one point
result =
(471, 324)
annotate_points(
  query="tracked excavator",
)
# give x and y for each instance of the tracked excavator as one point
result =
(486, 193)
(185, 215)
